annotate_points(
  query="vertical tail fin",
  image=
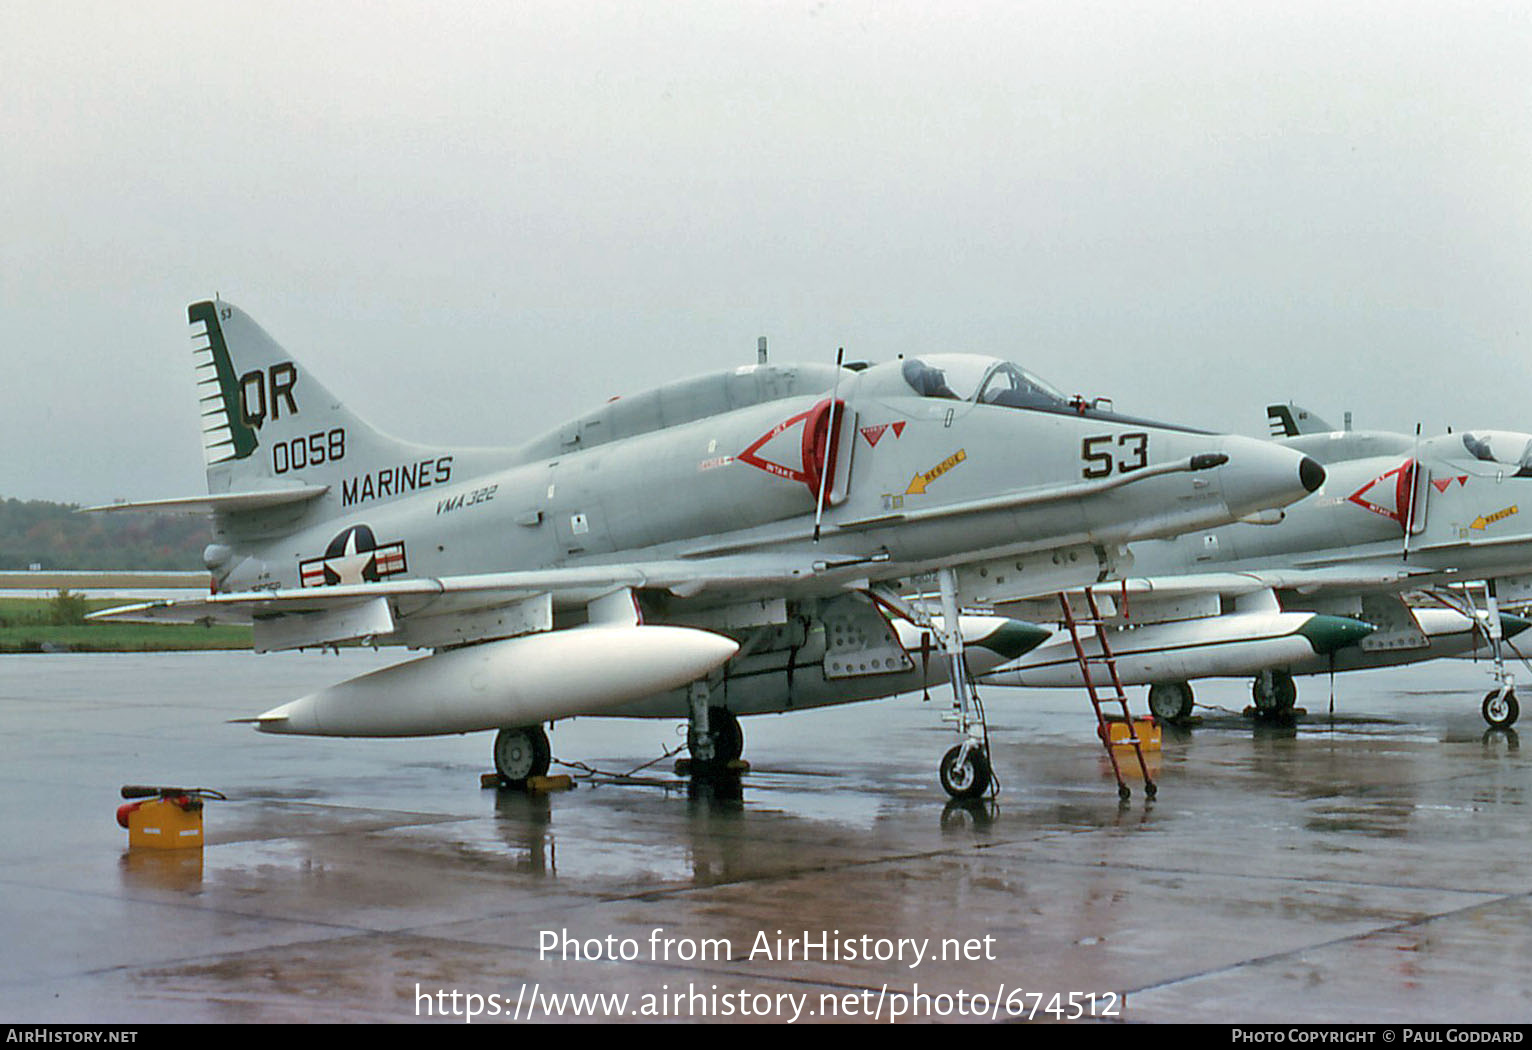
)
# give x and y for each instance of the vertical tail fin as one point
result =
(1291, 420)
(268, 423)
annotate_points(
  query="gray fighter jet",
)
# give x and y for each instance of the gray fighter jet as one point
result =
(1419, 539)
(737, 543)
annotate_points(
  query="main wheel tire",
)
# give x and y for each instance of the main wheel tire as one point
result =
(969, 779)
(728, 742)
(728, 737)
(1501, 710)
(522, 753)
(1171, 701)
(1274, 693)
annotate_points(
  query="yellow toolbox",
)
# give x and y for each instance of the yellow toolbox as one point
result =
(166, 824)
(164, 817)
(1145, 727)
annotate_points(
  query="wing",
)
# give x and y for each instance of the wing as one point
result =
(453, 610)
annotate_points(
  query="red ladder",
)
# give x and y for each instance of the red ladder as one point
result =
(1110, 661)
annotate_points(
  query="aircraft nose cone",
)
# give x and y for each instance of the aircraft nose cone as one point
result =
(1261, 475)
(1311, 474)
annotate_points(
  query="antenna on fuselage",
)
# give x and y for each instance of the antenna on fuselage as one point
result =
(760, 350)
(824, 467)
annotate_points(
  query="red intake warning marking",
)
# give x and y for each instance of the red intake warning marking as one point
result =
(1389, 500)
(919, 482)
(1446, 483)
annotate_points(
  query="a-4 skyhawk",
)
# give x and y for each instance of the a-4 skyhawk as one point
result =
(732, 544)
(1446, 520)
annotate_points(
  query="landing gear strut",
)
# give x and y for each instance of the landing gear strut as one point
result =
(1500, 709)
(521, 754)
(725, 734)
(713, 734)
(965, 771)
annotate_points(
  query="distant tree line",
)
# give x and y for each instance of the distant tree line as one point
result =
(56, 536)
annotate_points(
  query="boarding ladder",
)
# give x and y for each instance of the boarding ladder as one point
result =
(1109, 661)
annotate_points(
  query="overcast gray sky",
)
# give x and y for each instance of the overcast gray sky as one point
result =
(475, 221)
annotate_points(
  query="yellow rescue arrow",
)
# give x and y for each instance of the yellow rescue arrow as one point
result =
(1483, 521)
(919, 482)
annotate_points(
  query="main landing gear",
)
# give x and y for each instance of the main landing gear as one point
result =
(521, 754)
(713, 735)
(1275, 693)
(1171, 701)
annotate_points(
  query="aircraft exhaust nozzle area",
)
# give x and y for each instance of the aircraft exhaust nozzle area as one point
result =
(513, 682)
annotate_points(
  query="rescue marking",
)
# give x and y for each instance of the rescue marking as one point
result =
(919, 482)
(1483, 521)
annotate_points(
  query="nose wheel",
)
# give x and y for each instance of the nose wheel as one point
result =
(965, 772)
(1500, 708)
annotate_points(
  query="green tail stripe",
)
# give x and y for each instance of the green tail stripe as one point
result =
(228, 383)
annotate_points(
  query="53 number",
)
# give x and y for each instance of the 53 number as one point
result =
(1126, 452)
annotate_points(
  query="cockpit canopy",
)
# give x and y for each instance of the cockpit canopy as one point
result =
(1506, 447)
(985, 380)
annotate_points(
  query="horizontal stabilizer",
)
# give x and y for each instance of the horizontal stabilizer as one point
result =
(222, 502)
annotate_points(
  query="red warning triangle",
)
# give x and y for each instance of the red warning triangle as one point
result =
(1388, 494)
(810, 447)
